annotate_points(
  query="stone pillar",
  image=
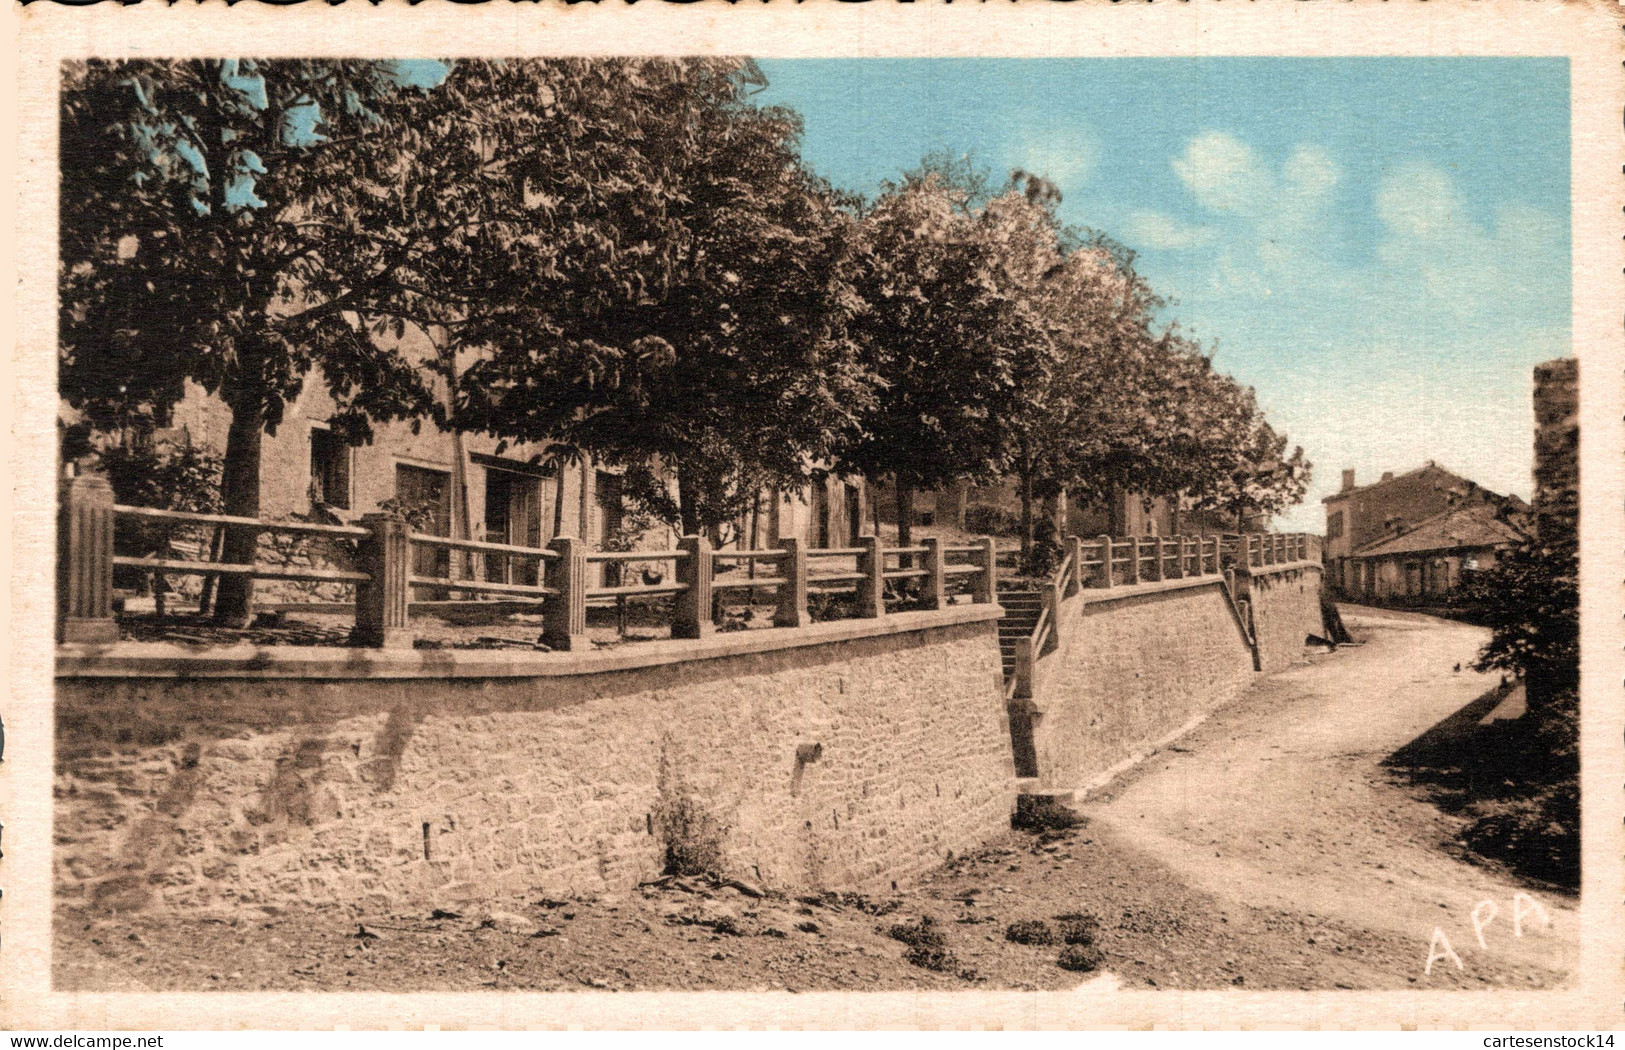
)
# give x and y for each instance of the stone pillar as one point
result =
(986, 587)
(383, 603)
(1133, 575)
(1026, 669)
(872, 588)
(1103, 572)
(792, 611)
(564, 615)
(1160, 548)
(1181, 548)
(84, 561)
(691, 616)
(935, 592)
(1074, 546)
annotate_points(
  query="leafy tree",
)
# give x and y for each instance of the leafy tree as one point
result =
(1531, 602)
(698, 326)
(219, 226)
(947, 338)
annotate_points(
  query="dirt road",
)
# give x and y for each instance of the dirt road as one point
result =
(1269, 848)
(1281, 802)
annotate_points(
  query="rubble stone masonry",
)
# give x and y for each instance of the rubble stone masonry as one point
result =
(1136, 666)
(851, 763)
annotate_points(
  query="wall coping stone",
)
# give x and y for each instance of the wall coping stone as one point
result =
(1121, 591)
(1279, 567)
(168, 660)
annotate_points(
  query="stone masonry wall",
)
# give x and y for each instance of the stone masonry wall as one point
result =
(1130, 671)
(1285, 611)
(846, 765)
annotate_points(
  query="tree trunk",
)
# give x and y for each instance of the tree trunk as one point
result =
(687, 504)
(240, 496)
(558, 498)
(905, 514)
(1024, 471)
(1116, 512)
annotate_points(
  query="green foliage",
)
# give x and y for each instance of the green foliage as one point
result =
(1029, 931)
(987, 519)
(678, 299)
(1531, 602)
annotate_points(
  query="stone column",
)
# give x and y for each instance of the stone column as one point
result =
(872, 588)
(986, 587)
(383, 603)
(84, 561)
(1133, 575)
(792, 611)
(564, 615)
(691, 617)
(935, 592)
(1103, 577)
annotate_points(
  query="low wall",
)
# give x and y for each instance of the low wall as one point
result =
(843, 755)
(1135, 665)
(1285, 610)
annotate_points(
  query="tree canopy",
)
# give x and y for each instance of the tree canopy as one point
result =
(625, 259)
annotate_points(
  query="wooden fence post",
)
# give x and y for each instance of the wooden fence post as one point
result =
(1104, 578)
(564, 615)
(792, 611)
(84, 561)
(986, 587)
(691, 615)
(934, 593)
(872, 588)
(383, 603)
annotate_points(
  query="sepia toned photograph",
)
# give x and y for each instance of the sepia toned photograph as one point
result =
(657, 518)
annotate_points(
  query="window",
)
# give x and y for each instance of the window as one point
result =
(329, 469)
(1334, 525)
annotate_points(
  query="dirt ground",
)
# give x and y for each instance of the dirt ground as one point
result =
(1269, 848)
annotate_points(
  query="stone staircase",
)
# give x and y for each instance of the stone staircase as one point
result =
(1022, 609)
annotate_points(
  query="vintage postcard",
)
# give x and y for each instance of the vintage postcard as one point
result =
(658, 515)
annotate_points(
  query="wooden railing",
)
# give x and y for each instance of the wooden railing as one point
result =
(930, 574)
(1107, 561)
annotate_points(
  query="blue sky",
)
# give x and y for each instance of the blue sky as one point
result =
(1379, 246)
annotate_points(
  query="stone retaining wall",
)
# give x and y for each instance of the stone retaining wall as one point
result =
(1131, 670)
(1285, 610)
(857, 759)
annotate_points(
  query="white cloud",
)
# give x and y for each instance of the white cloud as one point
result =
(1222, 172)
(1066, 157)
(1436, 256)
(1153, 229)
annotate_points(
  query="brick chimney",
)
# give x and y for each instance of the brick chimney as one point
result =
(1348, 479)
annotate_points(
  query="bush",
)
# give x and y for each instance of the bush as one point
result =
(1029, 931)
(693, 838)
(1078, 928)
(1039, 813)
(987, 519)
(1081, 958)
(927, 947)
(1531, 602)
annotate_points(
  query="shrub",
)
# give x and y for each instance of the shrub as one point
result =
(986, 519)
(1082, 958)
(931, 957)
(1078, 928)
(1029, 931)
(1038, 813)
(924, 932)
(693, 838)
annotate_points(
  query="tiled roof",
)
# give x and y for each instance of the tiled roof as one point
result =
(1425, 468)
(1470, 526)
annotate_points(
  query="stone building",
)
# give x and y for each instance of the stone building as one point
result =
(1557, 448)
(473, 486)
(1359, 515)
(1427, 559)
